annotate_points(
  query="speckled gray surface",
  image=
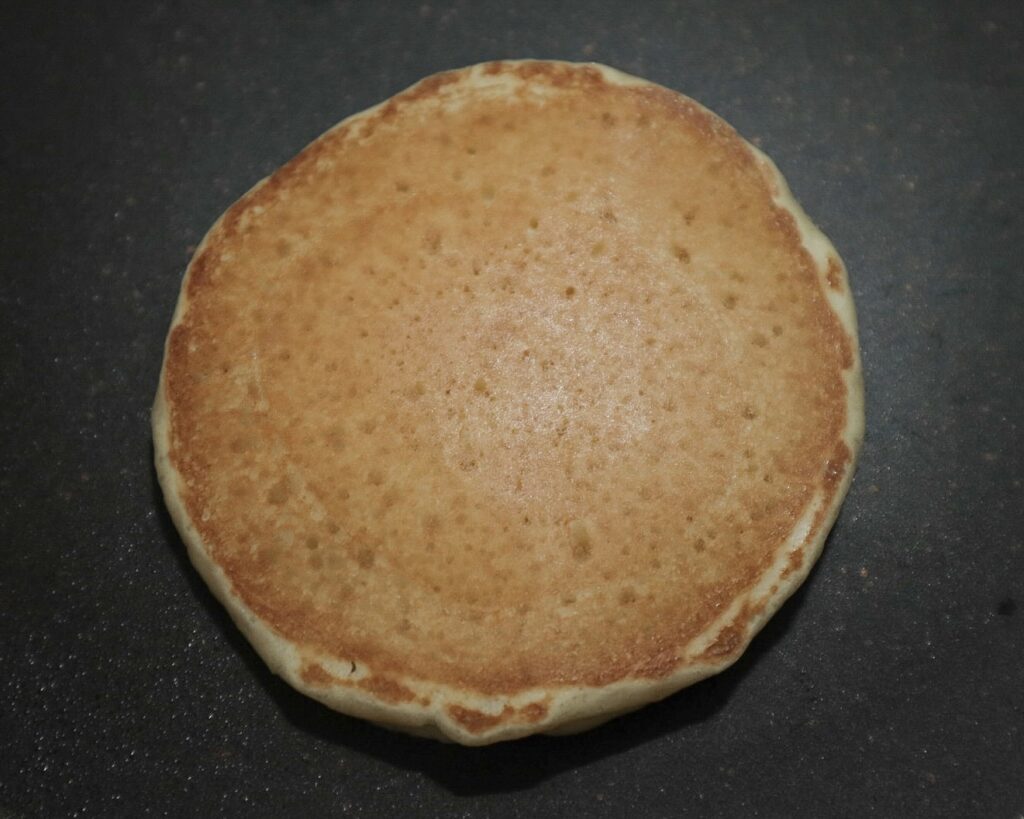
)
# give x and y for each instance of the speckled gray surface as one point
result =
(892, 684)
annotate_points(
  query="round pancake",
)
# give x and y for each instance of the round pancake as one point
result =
(511, 404)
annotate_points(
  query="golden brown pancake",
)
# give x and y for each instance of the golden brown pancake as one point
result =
(512, 404)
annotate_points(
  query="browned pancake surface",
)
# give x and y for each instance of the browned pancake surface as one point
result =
(504, 391)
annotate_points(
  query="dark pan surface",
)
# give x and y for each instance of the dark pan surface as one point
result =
(891, 684)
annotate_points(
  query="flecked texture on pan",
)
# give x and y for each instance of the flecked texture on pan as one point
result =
(514, 403)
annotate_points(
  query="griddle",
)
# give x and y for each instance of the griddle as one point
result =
(891, 684)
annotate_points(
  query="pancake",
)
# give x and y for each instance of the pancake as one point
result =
(511, 404)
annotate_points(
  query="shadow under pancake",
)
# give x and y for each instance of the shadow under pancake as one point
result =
(506, 766)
